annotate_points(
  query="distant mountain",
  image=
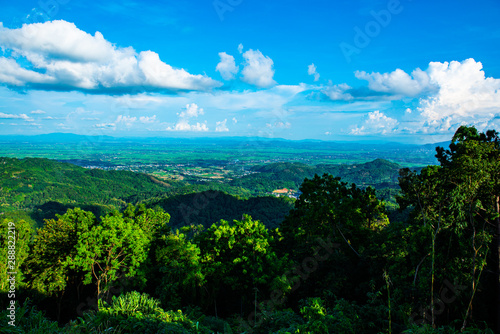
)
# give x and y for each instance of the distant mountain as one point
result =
(378, 173)
(339, 145)
(433, 146)
(54, 138)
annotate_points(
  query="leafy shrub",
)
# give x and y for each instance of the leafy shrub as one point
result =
(28, 320)
(134, 312)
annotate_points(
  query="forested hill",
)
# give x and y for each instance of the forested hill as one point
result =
(209, 207)
(379, 174)
(32, 182)
(43, 188)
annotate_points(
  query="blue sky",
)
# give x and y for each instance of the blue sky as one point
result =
(407, 70)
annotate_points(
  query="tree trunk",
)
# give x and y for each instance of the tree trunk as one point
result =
(59, 306)
(98, 292)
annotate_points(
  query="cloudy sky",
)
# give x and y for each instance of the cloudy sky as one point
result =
(391, 70)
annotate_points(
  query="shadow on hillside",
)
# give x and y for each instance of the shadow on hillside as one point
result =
(50, 209)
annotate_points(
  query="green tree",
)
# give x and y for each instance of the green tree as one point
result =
(110, 250)
(472, 163)
(336, 224)
(50, 264)
(179, 266)
(455, 205)
(239, 262)
(14, 249)
(329, 207)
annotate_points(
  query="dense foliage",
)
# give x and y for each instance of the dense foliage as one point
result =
(337, 263)
(208, 207)
(29, 183)
(379, 174)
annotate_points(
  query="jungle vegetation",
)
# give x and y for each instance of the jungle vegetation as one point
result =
(115, 253)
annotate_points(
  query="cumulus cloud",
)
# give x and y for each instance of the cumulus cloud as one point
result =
(191, 111)
(449, 94)
(147, 119)
(183, 125)
(11, 73)
(38, 112)
(221, 126)
(125, 120)
(464, 91)
(311, 70)
(64, 57)
(282, 125)
(338, 92)
(397, 82)
(227, 66)
(376, 123)
(258, 69)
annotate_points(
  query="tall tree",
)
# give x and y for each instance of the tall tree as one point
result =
(108, 251)
(52, 255)
(428, 193)
(457, 201)
(329, 207)
(239, 260)
(335, 222)
(14, 249)
(179, 270)
(473, 163)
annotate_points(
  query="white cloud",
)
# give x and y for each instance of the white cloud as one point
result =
(227, 66)
(282, 125)
(397, 82)
(449, 94)
(191, 111)
(258, 69)
(20, 116)
(161, 75)
(57, 39)
(376, 123)
(240, 48)
(311, 70)
(235, 120)
(126, 120)
(11, 73)
(183, 125)
(38, 112)
(71, 59)
(102, 126)
(146, 119)
(464, 92)
(338, 92)
(221, 126)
